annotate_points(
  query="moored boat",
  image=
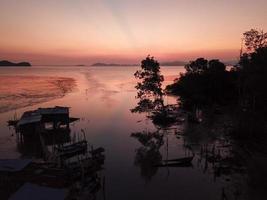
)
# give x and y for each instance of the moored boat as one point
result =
(179, 162)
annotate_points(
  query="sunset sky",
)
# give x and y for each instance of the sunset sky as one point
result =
(125, 31)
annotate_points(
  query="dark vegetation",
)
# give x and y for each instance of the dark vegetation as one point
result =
(208, 85)
(229, 106)
(205, 82)
(8, 63)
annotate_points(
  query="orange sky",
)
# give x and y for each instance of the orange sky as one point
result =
(86, 31)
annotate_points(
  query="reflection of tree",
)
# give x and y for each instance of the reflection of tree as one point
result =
(148, 155)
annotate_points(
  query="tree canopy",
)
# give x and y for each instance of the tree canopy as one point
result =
(205, 82)
(255, 39)
(151, 79)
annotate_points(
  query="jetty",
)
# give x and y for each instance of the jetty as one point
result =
(67, 168)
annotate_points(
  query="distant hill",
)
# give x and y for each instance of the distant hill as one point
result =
(111, 64)
(5, 63)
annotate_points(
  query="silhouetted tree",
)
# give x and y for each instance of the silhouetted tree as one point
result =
(253, 70)
(149, 91)
(253, 78)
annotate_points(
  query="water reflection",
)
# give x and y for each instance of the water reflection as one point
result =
(132, 148)
(148, 155)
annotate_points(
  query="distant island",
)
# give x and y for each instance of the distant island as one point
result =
(5, 63)
(171, 63)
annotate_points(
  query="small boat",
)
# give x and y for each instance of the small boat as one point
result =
(179, 162)
(174, 165)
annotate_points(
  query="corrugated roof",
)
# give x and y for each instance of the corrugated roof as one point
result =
(35, 116)
(55, 110)
(29, 118)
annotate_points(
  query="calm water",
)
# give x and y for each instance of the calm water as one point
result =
(102, 98)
